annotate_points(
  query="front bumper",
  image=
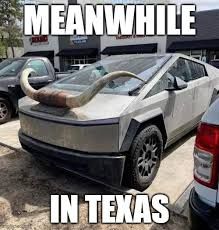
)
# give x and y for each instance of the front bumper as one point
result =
(104, 168)
(95, 136)
(201, 215)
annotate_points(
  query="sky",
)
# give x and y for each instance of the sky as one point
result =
(201, 4)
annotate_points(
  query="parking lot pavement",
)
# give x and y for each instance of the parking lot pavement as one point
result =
(26, 186)
(176, 172)
(8, 133)
(174, 176)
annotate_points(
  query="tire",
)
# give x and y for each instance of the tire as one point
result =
(144, 158)
(5, 110)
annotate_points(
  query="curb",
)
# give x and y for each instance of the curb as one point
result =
(180, 207)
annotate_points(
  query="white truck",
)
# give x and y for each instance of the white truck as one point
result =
(204, 198)
(75, 68)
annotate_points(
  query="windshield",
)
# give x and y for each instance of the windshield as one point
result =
(142, 65)
(4, 63)
(11, 67)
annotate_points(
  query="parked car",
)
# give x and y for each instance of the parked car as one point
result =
(204, 198)
(60, 75)
(10, 90)
(74, 68)
(215, 63)
(112, 120)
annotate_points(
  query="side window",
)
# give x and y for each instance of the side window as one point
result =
(197, 70)
(39, 67)
(180, 69)
(160, 86)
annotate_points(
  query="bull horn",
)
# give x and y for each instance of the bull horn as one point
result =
(64, 99)
(25, 86)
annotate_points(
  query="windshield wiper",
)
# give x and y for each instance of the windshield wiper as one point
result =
(134, 91)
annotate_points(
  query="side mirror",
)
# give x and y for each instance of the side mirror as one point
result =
(33, 74)
(175, 83)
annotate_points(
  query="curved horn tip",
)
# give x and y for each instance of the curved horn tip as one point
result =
(67, 100)
(26, 87)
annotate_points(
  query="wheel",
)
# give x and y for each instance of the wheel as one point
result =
(143, 160)
(5, 111)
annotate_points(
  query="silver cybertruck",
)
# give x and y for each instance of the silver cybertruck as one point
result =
(112, 120)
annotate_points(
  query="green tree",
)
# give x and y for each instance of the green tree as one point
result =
(10, 20)
(3, 45)
(2, 49)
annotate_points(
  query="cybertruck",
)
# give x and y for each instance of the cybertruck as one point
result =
(112, 120)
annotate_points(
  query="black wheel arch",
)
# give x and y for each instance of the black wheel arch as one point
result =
(135, 127)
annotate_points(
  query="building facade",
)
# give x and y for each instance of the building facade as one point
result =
(46, 46)
(78, 50)
(112, 45)
(205, 44)
(63, 51)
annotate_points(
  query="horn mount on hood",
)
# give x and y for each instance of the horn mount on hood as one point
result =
(63, 98)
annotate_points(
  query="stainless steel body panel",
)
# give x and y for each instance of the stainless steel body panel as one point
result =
(179, 109)
(96, 139)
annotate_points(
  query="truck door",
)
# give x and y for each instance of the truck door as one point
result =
(176, 105)
(202, 86)
(180, 101)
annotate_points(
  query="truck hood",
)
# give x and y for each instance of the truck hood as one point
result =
(102, 106)
(2, 76)
(6, 78)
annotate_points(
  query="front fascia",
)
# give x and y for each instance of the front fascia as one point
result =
(91, 138)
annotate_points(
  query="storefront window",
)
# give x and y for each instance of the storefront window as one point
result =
(214, 55)
(188, 53)
(68, 61)
(197, 54)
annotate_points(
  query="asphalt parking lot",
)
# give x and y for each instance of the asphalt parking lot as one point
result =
(27, 184)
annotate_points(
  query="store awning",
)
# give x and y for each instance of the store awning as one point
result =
(194, 45)
(130, 49)
(78, 52)
(47, 54)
